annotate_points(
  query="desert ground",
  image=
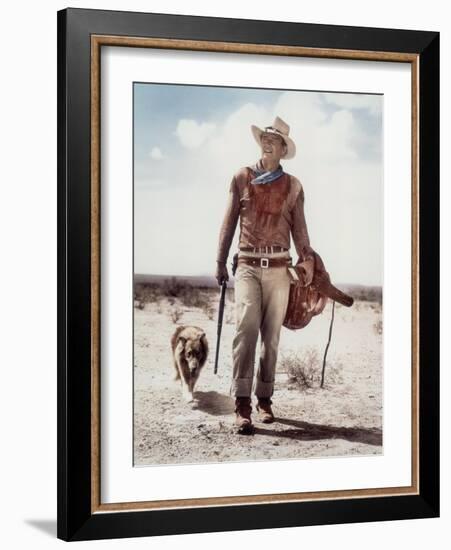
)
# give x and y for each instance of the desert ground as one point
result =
(341, 419)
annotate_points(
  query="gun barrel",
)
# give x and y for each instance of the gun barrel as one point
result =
(220, 317)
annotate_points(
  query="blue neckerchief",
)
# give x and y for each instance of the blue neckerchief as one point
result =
(263, 176)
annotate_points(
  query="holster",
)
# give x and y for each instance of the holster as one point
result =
(234, 263)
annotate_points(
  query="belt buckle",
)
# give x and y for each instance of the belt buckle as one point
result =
(264, 262)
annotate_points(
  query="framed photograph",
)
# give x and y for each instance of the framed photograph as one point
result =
(248, 274)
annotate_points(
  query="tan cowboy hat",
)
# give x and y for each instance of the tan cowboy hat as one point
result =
(281, 128)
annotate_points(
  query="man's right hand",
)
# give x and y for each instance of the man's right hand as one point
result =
(221, 272)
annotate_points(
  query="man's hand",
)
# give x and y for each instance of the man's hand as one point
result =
(305, 271)
(221, 272)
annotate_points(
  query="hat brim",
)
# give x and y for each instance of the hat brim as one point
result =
(291, 147)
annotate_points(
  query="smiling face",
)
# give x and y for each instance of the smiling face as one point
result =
(273, 147)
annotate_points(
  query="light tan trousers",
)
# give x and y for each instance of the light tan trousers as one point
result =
(261, 299)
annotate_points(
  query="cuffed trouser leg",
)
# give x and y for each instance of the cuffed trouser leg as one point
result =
(248, 306)
(275, 286)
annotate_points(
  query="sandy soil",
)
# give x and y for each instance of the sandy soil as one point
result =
(344, 418)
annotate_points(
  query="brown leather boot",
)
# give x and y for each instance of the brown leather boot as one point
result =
(264, 408)
(243, 411)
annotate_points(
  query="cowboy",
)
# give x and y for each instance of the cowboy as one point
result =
(270, 205)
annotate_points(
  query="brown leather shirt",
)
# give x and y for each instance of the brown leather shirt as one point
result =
(268, 213)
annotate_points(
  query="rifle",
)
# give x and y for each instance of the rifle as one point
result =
(220, 316)
(221, 310)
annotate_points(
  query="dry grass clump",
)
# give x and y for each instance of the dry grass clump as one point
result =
(304, 369)
(146, 294)
(378, 327)
(230, 315)
(178, 293)
(194, 297)
(209, 311)
(365, 293)
(176, 314)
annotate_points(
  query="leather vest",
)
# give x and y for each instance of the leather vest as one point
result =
(262, 207)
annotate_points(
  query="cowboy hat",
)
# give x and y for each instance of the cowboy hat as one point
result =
(280, 128)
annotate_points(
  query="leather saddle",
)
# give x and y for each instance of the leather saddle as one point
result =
(306, 301)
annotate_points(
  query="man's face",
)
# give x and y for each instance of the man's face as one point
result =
(273, 146)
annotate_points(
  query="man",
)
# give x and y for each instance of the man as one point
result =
(270, 205)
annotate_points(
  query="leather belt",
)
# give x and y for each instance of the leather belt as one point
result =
(265, 262)
(264, 249)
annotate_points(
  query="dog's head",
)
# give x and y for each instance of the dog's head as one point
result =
(194, 352)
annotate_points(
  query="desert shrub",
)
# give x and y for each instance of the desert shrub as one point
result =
(176, 288)
(146, 293)
(194, 297)
(230, 317)
(230, 293)
(188, 295)
(378, 327)
(377, 308)
(209, 311)
(176, 314)
(366, 293)
(303, 370)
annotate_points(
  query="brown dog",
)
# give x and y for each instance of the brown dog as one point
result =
(190, 351)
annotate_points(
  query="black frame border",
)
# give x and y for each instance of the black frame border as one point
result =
(75, 520)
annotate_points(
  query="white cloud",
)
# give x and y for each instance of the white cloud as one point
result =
(234, 143)
(192, 133)
(317, 137)
(156, 153)
(373, 103)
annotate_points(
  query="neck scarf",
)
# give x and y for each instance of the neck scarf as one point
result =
(263, 176)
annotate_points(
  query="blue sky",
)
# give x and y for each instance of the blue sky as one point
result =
(190, 140)
(161, 106)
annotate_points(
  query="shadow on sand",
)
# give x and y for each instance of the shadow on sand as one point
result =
(306, 431)
(214, 403)
(217, 404)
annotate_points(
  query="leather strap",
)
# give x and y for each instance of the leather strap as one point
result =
(263, 249)
(265, 262)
